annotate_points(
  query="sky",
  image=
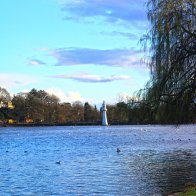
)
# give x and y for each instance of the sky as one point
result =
(79, 50)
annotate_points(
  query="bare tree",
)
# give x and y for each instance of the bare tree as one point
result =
(4, 95)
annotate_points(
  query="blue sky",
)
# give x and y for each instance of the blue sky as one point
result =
(85, 50)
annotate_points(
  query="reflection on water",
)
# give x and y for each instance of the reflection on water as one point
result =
(161, 173)
(154, 160)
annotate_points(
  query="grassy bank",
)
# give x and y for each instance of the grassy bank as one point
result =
(190, 190)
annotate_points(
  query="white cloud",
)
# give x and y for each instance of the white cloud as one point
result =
(112, 11)
(86, 56)
(70, 96)
(123, 97)
(91, 78)
(35, 62)
(16, 80)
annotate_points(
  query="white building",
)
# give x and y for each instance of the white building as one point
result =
(104, 115)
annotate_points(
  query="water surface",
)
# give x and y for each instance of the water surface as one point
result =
(154, 160)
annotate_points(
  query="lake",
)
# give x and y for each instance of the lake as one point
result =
(153, 160)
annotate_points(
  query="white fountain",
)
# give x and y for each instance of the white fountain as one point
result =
(104, 115)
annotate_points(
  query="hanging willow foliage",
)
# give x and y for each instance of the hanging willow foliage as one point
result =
(172, 41)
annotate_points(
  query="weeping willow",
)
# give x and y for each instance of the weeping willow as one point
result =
(172, 40)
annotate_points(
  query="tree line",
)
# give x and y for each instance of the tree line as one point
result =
(37, 106)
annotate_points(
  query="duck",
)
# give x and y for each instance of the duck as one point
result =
(117, 150)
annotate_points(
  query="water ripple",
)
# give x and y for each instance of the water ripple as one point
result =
(153, 160)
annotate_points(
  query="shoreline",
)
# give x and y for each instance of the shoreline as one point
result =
(189, 190)
(80, 124)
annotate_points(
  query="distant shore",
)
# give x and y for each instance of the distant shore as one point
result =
(49, 124)
(74, 124)
(61, 124)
